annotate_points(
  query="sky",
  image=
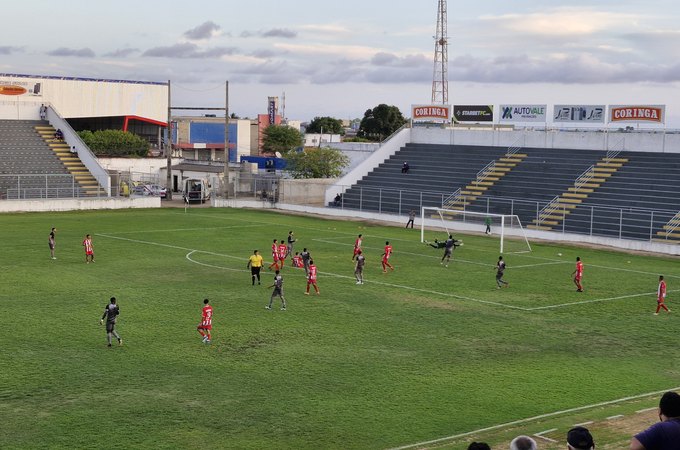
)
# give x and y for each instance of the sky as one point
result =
(339, 59)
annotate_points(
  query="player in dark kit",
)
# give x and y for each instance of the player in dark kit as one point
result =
(359, 269)
(500, 269)
(306, 257)
(111, 312)
(277, 292)
(449, 246)
(52, 242)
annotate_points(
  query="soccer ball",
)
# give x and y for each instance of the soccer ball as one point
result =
(559, 254)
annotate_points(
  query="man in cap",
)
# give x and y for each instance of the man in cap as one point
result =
(579, 438)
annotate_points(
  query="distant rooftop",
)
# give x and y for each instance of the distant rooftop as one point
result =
(101, 80)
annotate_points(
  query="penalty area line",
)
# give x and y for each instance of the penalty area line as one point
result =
(597, 300)
(532, 419)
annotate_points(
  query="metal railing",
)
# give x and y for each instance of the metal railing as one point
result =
(44, 186)
(593, 220)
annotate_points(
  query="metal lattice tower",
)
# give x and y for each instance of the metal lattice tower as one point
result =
(440, 76)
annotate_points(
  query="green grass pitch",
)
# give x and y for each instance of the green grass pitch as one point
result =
(412, 355)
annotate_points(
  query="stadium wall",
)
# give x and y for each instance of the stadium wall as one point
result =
(75, 204)
(657, 141)
(83, 97)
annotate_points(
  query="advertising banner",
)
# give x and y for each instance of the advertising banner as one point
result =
(13, 86)
(637, 113)
(271, 110)
(523, 113)
(473, 113)
(431, 113)
(579, 113)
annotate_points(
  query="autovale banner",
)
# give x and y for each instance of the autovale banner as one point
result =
(473, 113)
(523, 113)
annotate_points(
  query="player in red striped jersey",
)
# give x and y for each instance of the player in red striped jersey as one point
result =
(282, 253)
(205, 327)
(578, 274)
(89, 249)
(311, 277)
(357, 246)
(661, 296)
(386, 256)
(275, 256)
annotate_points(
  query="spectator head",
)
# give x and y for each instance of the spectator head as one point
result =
(523, 443)
(579, 438)
(478, 446)
(669, 405)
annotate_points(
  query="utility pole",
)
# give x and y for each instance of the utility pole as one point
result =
(226, 140)
(168, 149)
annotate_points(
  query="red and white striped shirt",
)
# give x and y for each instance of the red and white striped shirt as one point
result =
(661, 292)
(312, 274)
(87, 243)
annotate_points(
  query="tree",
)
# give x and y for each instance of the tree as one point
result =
(280, 138)
(115, 143)
(380, 122)
(327, 125)
(316, 162)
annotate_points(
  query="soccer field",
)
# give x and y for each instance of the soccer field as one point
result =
(420, 353)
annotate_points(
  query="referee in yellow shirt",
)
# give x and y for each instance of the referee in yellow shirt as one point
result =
(255, 263)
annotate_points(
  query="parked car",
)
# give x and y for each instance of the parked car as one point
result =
(157, 190)
(142, 190)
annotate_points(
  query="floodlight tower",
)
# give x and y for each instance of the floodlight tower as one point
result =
(440, 77)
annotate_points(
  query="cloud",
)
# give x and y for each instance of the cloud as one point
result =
(391, 60)
(80, 53)
(569, 69)
(189, 50)
(266, 53)
(206, 30)
(121, 53)
(274, 32)
(8, 50)
(280, 32)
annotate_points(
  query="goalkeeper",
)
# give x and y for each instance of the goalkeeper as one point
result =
(449, 246)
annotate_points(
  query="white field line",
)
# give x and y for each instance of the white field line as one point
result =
(618, 416)
(596, 300)
(583, 424)
(646, 409)
(531, 419)
(410, 288)
(398, 286)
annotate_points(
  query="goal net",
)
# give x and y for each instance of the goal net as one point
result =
(506, 229)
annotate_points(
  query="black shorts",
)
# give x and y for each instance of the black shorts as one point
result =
(255, 270)
(110, 326)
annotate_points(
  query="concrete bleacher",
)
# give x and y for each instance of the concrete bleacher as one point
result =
(31, 168)
(436, 171)
(634, 200)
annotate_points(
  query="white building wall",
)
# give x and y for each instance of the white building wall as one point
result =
(86, 98)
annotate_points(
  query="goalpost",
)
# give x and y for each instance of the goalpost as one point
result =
(506, 228)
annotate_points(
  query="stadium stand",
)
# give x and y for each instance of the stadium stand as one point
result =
(436, 172)
(33, 165)
(634, 195)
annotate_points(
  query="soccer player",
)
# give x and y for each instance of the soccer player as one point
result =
(283, 253)
(411, 218)
(357, 246)
(275, 255)
(111, 312)
(359, 269)
(306, 257)
(89, 249)
(52, 242)
(277, 292)
(311, 278)
(661, 296)
(449, 246)
(500, 269)
(578, 274)
(205, 327)
(297, 261)
(386, 256)
(291, 240)
(255, 264)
